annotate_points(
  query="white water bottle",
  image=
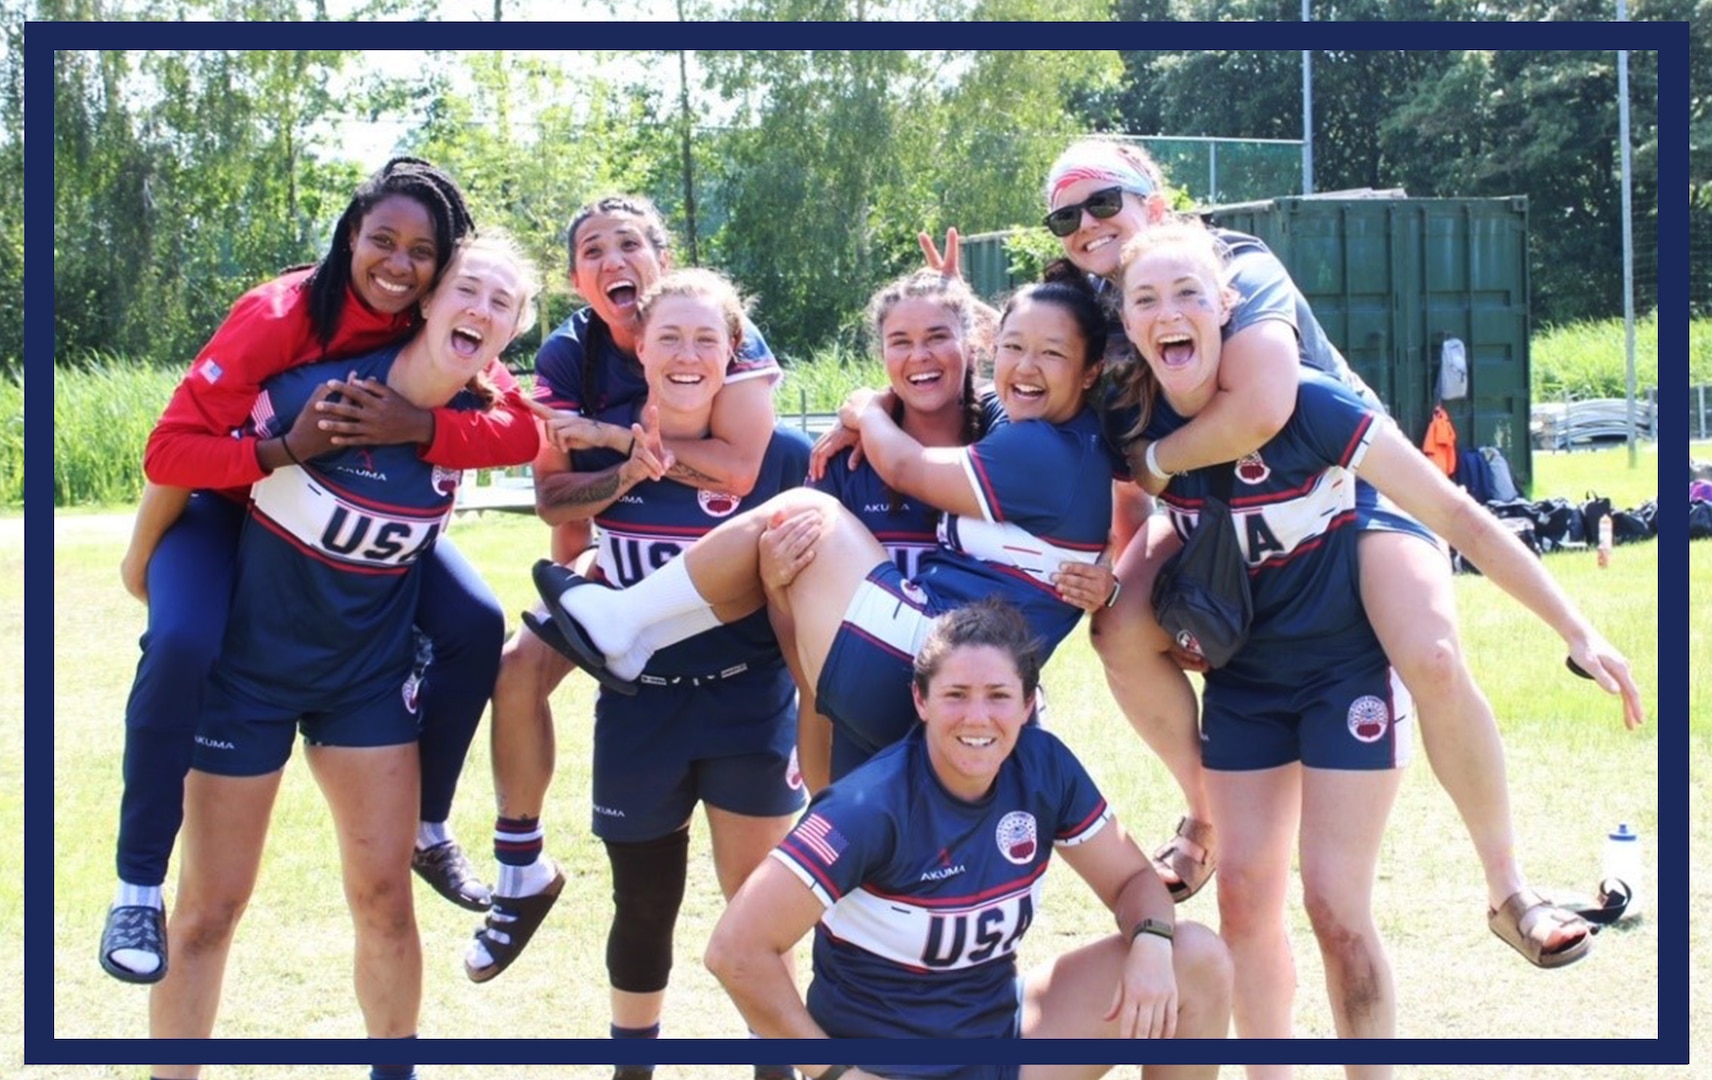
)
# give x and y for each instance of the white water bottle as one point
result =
(1623, 861)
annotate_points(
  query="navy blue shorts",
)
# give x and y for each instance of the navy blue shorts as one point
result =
(1375, 512)
(238, 736)
(864, 686)
(1342, 707)
(729, 742)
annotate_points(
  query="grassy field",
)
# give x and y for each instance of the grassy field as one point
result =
(1574, 772)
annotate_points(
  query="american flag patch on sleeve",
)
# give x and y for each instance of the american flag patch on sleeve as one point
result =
(822, 837)
(210, 370)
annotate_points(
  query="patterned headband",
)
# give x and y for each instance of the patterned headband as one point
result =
(1096, 161)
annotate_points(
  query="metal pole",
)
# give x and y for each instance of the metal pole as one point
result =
(1628, 232)
(1213, 172)
(1308, 112)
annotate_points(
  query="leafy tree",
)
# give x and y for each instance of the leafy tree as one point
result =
(530, 142)
(11, 189)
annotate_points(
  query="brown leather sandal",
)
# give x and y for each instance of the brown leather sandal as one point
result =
(1188, 858)
(1541, 931)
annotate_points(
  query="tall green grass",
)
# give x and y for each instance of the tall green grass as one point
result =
(102, 419)
(12, 441)
(820, 382)
(1589, 359)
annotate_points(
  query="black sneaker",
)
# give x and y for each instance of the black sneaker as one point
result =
(775, 1072)
(448, 871)
(632, 1072)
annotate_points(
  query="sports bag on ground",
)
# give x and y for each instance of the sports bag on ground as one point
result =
(1201, 595)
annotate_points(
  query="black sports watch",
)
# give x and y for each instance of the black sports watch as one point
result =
(1156, 927)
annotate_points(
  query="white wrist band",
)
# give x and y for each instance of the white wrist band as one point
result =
(1152, 461)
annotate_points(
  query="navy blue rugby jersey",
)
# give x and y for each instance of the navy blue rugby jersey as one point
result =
(911, 529)
(1046, 499)
(928, 896)
(1294, 502)
(325, 594)
(653, 523)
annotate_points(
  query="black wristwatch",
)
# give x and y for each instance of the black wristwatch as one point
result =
(1156, 927)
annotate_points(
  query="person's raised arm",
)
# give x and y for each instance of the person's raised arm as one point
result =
(937, 475)
(749, 948)
(729, 459)
(1258, 370)
(563, 495)
(1400, 471)
(1145, 1000)
(485, 438)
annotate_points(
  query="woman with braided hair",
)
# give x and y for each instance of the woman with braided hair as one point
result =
(387, 250)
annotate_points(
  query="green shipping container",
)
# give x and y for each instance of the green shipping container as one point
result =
(1391, 278)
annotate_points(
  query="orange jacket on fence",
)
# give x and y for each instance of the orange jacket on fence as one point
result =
(1440, 441)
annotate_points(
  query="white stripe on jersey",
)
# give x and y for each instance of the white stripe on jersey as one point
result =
(1007, 545)
(897, 624)
(628, 552)
(1001, 542)
(342, 531)
(1093, 828)
(929, 937)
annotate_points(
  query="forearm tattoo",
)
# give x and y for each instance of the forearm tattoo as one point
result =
(690, 475)
(601, 487)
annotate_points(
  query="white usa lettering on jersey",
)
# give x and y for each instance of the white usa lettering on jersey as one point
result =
(931, 937)
(341, 530)
(628, 555)
(1275, 530)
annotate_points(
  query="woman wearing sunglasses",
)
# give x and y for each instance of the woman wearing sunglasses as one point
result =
(1099, 194)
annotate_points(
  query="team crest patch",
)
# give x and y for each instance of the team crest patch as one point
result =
(1369, 718)
(446, 480)
(717, 503)
(1250, 469)
(912, 593)
(1017, 837)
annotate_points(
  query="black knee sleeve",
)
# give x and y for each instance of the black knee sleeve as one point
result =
(647, 889)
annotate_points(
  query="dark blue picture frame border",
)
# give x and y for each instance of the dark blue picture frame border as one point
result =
(1668, 40)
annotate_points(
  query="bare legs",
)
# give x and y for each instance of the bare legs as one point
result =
(1407, 591)
(1068, 997)
(1340, 817)
(523, 741)
(1145, 681)
(220, 851)
(373, 795)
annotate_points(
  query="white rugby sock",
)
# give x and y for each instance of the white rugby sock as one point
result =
(524, 880)
(513, 881)
(615, 621)
(656, 636)
(128, 895)
(430, 834)
(138, 896)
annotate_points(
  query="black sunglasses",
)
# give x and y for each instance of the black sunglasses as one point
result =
(1102, 204)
